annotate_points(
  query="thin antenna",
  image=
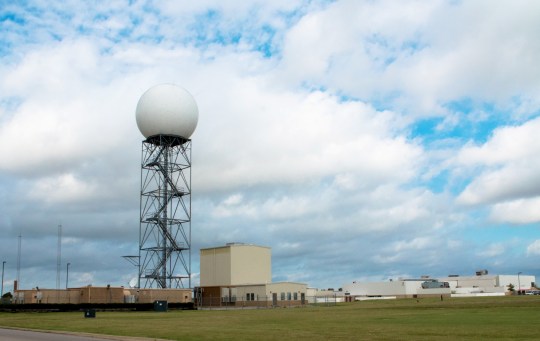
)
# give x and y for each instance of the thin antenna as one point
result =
(59, 257)
(19, 263)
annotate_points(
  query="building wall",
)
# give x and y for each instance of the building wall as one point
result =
(433, 292)
(258, 291)
(215, 266)
(90, 294)
(288, 293)
(263, 292)
(260, 295)
(51, 296)
(471, 281)
(400, 289)
(286, 287)
(524, 281)
(478, 290)
(235, 264)
(209, 296)
(311, 292)
(461, 285)
(169, 295)
(252, 296)
(489, 283)
(394, 288)
(414, 288)
(250, 264)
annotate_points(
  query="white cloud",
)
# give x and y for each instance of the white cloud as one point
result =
(63, 189)
(507, 183)
(492, 250)
(507, 144)
(505, 167)
(69, 112)
(83, 279)
(234, 206)
(419, 250)
(426, 54)
(534, 248)
(234, 199)
(414, 244)
(297, 138)
(521, 211)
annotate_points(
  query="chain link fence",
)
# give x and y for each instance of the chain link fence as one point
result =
(264, 302)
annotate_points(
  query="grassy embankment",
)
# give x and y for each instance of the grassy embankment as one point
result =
(406, 319)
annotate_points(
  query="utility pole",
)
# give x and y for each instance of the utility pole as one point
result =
(19, 264)
(67, 274)
(3, 264)
(59, 257)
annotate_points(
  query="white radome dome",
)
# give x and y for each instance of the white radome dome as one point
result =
(167, 109)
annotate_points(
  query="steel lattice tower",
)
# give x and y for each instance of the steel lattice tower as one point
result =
(165, 221)
(167, 116)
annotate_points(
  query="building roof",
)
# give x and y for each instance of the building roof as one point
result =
(235, 244)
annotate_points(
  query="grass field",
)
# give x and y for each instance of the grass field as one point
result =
(501, 318)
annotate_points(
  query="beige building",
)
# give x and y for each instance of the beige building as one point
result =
(235, 264)
(152, 295)
(47, 296)
(100, 295)
(240, 274)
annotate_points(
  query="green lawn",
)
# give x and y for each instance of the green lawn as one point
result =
(501, 318)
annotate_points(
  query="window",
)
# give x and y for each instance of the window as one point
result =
(283, 296)
(295, 296)
(247, 297)
(289, 296)
(253, 296)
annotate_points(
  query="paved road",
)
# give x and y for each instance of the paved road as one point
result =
(24, 335)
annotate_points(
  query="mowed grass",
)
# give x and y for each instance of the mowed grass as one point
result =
(501, 318)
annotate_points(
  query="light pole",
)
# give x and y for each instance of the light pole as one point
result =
(3, 264)
(519, 284)
(67, 274)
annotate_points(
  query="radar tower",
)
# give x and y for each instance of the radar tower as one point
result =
(166, 115)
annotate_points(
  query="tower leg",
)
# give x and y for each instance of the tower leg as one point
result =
(165, 213)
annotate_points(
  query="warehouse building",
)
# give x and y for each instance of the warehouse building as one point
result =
(481, 284)
(402, 288)
(100, 295)
(240, 275)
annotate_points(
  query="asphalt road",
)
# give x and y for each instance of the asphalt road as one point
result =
(25, 335)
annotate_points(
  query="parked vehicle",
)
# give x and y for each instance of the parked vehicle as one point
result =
(532, 292)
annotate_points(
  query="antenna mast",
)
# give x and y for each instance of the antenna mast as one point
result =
(19, 263)
(59, 257)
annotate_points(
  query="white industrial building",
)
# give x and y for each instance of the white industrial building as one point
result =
(317, 296)
(401, 288)
(482, 284)
(239, 274)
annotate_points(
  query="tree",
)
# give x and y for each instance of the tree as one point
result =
(511, 288)
(6, 298)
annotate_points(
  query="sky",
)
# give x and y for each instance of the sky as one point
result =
(360, 140)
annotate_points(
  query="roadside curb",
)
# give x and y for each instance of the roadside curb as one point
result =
(90, 335)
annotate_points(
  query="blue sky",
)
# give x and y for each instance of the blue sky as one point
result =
(360, 140)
